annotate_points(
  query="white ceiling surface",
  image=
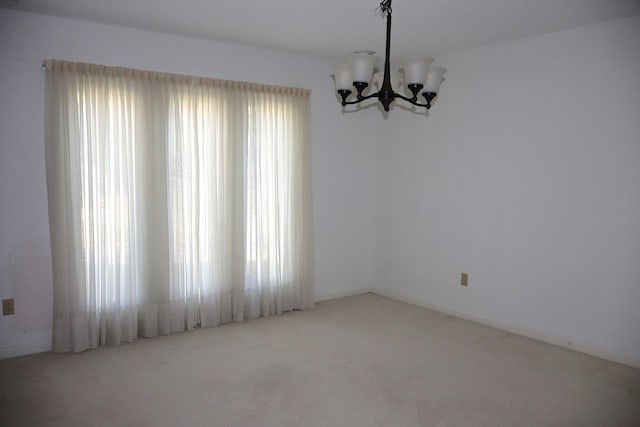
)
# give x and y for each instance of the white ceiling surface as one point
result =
(334, 28)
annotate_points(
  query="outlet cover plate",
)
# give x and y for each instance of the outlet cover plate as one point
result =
(464, 279)
(8, 307)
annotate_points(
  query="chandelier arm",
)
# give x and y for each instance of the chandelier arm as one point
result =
(414, 101)
(361, 98)
(417, 104)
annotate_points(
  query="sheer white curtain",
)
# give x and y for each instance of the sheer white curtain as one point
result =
(174, 202)
(277, 203)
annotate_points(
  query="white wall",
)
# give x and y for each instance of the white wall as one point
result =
(342, 153)
(526, 175)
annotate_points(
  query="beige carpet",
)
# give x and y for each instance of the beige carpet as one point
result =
(357, 361)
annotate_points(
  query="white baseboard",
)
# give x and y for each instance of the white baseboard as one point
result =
(342, 294)
(40, 347)
(24, 350)
(634, 362)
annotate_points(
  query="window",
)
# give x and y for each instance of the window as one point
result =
(176, 201)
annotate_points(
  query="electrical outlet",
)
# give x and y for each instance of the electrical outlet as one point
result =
(8, 307)
(464, 279)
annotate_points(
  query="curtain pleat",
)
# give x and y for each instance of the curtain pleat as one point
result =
(174, 202)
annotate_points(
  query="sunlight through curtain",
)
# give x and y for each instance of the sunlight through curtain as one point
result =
(174, 202)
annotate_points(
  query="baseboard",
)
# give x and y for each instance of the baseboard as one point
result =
(342, 294)
(24, 350)
(549, 339)
(41, 347)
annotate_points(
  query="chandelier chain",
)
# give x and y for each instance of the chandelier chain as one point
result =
(385, 7)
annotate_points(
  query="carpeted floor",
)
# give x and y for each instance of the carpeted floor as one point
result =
(357, 361)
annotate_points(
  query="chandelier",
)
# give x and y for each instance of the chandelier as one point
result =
(418, 75)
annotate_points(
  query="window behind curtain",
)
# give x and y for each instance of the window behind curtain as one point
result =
(174, 202)
(105, 120)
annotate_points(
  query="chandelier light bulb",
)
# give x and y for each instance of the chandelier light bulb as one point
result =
(415, 69)
(362, 64)
(342, 76)
(434, 79)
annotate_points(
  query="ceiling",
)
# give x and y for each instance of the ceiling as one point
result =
(334, 28)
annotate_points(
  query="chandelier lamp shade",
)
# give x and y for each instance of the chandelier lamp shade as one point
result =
(417, 74)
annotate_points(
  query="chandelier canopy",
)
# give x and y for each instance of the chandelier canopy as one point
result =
(418, 75)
